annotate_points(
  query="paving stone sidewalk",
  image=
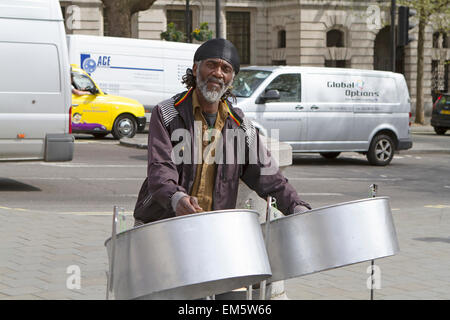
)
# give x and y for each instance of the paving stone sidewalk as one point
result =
(37, 248)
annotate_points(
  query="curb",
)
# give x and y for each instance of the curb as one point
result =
(132, 144)
(441, 151)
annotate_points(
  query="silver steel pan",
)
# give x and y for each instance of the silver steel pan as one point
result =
(331, 237)
(189, 257)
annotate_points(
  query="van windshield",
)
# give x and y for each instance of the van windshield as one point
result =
(247, 81)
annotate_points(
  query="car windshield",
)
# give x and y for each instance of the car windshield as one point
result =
(247, 81)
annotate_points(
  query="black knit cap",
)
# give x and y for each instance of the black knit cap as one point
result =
(219, 48)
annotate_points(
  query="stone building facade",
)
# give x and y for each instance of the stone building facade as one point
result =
(353, 34)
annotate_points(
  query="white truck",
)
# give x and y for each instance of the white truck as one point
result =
(328, 110)
(35, 90)
(149, 71)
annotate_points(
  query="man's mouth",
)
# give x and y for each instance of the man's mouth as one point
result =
(215, 83)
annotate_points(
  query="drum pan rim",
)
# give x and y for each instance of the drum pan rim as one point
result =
(246, 210)
(329, 206)
(181, 217)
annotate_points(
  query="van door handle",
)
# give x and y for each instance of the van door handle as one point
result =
(298, 108)
(314, 107)
(74, 105)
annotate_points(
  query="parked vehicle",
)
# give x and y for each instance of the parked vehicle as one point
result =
(329, 110)
(35, 91)
(149, 71)
(440, 116)
(100, 114)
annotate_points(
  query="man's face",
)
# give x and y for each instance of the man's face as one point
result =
(213, 77)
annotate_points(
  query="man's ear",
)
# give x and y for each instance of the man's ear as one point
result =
(194, 69)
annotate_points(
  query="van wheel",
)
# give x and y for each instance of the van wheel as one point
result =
(440, 130)
(330, 155)
(125, 126)
(381, 150)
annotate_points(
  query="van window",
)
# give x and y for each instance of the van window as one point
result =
(289, 86)
(247, 81)
(29, 67)
(82, 82)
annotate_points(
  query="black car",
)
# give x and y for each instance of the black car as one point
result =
(440, 117)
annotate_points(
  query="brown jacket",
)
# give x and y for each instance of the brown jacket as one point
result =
(164, 177)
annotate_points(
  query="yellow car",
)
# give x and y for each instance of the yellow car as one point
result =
(98, 113)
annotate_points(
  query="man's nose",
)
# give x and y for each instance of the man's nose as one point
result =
(218, 73)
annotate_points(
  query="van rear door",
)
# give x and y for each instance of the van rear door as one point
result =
(31, 97)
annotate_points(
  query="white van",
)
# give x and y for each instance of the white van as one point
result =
(149, 71)
(35, 91)
(328, 110)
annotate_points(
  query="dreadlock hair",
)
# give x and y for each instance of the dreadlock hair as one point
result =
(189, 81)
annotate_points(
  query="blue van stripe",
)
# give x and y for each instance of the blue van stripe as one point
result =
(137, 69)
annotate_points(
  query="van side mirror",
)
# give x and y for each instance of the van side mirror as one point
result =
(268, 95)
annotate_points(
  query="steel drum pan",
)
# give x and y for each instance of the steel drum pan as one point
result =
(199, 255)
(331, 237)
(188, 257)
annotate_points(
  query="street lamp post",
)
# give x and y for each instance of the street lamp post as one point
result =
(393, 42)
(187, 19)
(217, 18)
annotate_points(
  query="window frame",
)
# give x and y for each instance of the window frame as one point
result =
(246, 51)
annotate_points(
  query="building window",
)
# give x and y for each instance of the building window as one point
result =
(337, 63)
(437, 41)
(238, 32)
(335, 38)
(282, 39)
(105, 24)
(178, 19)
(278, 62)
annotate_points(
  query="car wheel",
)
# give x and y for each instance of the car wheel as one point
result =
(330, 155)
(99, 135)
(440, 130)
(125, 126)
(381, 150)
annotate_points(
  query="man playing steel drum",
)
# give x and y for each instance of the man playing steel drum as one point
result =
(199, 146)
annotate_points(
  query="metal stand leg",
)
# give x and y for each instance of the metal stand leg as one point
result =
(110, 275)
(262, 287)
(373, 188)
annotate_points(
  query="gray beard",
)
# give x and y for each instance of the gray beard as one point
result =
(211, 96)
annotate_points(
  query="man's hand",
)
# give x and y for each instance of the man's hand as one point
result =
(187, 205)
(300, 209)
